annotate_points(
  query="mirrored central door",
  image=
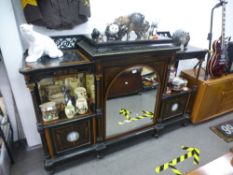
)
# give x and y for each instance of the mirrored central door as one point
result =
(131, 100)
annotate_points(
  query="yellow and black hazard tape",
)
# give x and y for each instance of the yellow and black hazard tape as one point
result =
(192, 152)
(29, 2)
(126, 113)
(175, 170)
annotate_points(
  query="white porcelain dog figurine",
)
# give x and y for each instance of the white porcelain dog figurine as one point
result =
(38, 44)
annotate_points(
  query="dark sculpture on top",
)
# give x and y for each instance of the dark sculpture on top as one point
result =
(135, 22)
(115, 32)
(181, 38)
(122, 26)
(95, 34)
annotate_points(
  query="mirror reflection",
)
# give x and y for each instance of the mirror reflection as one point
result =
(131, 100)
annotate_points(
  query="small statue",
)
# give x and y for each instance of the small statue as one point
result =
(38, 44)
(181, 38)
(95, 34)
(135, 22)
(152, 34)
(112, 32)
(178, 83)
(81, 105)
(80, 92)
(69, 110)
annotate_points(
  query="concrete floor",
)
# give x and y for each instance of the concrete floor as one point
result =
(138, 157)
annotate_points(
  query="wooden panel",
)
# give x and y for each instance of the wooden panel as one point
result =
(71, 136)
(213, 97)
(127, 83)
(226, 100)
(174, 105)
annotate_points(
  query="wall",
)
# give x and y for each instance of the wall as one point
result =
(9, 102)
(190, 15)
(12, 53)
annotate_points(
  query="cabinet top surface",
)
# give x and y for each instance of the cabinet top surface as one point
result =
(191, 52)
(72, 45)
(193, 72)
(70, 58)
(125, 47)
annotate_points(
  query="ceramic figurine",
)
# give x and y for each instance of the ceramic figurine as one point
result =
(172, 74)
(69, 110)
(66, 93)
(181, 38)
(123, 31)
(178, 83)
(92, 92)
(81, 105)
(39, 44)
(49, 111)
(112, 32)
(80, 92)
(152, 34)
(95, 34)
(135, 22)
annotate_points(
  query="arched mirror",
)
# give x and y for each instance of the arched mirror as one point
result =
(131, 100)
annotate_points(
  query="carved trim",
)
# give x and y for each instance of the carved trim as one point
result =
(66, 42)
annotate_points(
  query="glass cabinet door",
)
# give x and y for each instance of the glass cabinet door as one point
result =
(66, 96)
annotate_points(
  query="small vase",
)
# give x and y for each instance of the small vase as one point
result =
(49, 111)
(70, 110)
(81, 106)
(80, 92)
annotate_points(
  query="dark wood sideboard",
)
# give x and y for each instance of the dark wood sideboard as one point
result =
(105, 71)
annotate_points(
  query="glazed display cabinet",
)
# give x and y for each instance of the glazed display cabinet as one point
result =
(97, 95)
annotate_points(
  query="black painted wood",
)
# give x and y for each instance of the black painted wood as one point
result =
(106, 63)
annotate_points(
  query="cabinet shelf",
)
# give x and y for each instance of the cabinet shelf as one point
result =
(176, 93)
(71, 58)
(65, 120)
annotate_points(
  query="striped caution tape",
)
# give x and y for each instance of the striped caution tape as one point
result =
(29, 2)
(126, 113)
(175, 170)
(192, 152)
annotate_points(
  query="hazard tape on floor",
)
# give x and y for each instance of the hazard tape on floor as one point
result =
(191, 152)
(126, 114)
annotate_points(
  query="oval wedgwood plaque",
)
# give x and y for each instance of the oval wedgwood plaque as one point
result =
(72, 136)
(174, 107)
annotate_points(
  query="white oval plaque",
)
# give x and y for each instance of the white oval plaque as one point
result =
(174, 107)
(72, 136)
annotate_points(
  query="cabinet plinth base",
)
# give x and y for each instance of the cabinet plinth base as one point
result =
(50, 164)
(165, 125)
